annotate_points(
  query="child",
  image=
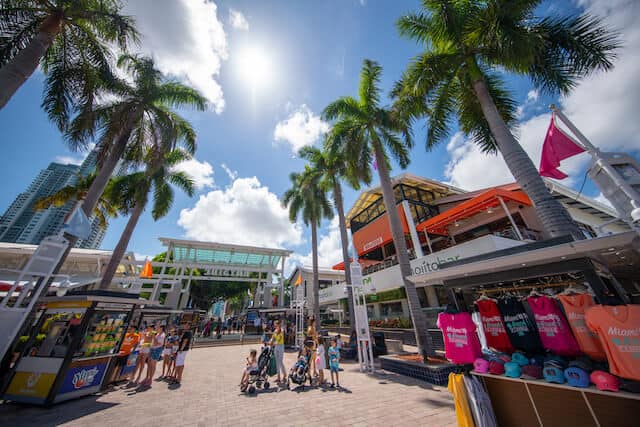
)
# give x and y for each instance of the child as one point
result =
(252, 363)
(334, 357)
(320, 362)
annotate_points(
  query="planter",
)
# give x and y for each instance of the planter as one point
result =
(436, 373)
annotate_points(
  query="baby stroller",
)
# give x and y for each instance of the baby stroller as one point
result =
(299, 373)
(259, 377)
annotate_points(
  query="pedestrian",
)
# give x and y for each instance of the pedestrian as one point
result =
(320, 361)
(278, 341)
(310, 341)
(143, 356)
(155, 354)
(339, 342)
(265, 336)
(252, 364)
(218, 328)
(334, 362)
(167, 353)
(183, 348)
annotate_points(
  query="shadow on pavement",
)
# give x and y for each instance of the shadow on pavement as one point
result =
(14, 414)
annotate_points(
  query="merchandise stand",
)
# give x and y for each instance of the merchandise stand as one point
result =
(78, 337)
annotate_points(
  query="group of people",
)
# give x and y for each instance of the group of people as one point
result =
(154, 344)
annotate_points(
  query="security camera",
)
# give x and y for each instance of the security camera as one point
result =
(635, 213)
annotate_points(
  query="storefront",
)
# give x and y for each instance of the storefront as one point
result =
(549, 330)
(78, 336)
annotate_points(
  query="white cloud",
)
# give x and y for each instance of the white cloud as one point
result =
(230, 173)
(237, 20)
(603, 106)
(533, 95)
(200, 172)
(329, 249)
(301, 128)
(68, 160)
(186, 39)
(245, 213)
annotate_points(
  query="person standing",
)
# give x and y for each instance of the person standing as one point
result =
(183, 348)
(145, 348)
(334, 362)
(167, 353)
(155, 353)
(320, 361)
(310, 341)
(278, 340)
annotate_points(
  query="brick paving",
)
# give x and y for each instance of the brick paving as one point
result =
(210, 396)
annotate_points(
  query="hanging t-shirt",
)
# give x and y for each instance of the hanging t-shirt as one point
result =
(497, 337)
(575, 307)
(553, 328)
(463, 410)
(461, 344)
(618, 329)
(520, 329)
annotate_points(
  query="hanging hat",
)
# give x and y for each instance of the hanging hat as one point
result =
(496, 368)
(480, 365)
(605, 381)
(576, 377)
(512, 370)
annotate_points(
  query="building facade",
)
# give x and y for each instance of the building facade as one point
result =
(21, 223)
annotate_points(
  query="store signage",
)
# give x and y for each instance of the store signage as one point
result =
(80, 377)
(31, 384)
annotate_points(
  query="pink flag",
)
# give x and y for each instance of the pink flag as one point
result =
(557, 147)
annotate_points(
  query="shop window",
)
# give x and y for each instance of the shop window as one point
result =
(370, 311)
(587, 230)
(58, 331)
(391, 309)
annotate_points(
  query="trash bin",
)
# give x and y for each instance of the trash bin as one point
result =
(379, 346)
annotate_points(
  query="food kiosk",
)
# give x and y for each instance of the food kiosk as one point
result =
(78, 335)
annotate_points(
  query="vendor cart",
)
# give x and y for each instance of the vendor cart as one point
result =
(78, 335)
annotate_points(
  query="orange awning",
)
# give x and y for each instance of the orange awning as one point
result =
(488, 199)
(362, 261)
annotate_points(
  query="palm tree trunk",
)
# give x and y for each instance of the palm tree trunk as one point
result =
(316, 278)
(15, 72)
(423, 339)
(121, 247)
(553, 216)
(344, 239)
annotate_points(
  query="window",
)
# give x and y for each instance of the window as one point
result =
(391, 309)
(587, 230)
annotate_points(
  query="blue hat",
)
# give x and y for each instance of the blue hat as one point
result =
(512, 369)
(577, 377)
(520, 359)
(553, 374)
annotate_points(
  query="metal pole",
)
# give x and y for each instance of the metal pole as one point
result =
(426, 234)
(412, 229)
(513, 223)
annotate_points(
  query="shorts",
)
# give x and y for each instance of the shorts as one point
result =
(180, 357)
(156, 353)
(145, 350)
(333, 368)
(166, 351)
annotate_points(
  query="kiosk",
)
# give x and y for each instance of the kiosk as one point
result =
(78, 335)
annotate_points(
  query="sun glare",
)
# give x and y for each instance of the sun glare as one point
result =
(255, 69)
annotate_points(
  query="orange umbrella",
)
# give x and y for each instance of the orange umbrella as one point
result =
(147, 270)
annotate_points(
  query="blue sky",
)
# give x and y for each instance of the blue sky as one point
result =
(269, 69)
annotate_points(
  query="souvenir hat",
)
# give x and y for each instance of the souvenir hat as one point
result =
(576, 377)
(520, 359)
(532, 372)
(496, 368)
(554, 360)
(630, 385)
(512, 370)
(582, 363)
(480, 365)
(553, 374)
(537, 360)
(605, 381)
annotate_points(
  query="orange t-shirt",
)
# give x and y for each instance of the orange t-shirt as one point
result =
(575, 307)
(618, 328)
(129, 343)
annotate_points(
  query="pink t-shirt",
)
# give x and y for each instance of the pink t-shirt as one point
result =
(553, 328)
(461, 343)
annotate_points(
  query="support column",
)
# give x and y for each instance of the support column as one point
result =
(155, 294)
(268, 299)
(412, 229)
(426, 235)
(513, 223)
(281, 299)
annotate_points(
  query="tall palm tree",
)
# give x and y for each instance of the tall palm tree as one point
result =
(363, 128)
(70, 39)
(334, 168)
(133, 191)
(76, 193)
(307, 198)
(464, 41)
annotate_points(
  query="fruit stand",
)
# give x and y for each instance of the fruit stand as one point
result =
(78, 336)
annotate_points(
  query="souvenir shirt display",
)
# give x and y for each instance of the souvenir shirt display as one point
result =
(493, 326)
(520, 329)
(552, 326)
(575, 307)
(461, 342)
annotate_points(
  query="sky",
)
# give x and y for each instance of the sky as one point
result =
(268, 68)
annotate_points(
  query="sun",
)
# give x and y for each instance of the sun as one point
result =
(255, 68)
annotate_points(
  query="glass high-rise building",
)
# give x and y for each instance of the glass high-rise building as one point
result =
(21, 223)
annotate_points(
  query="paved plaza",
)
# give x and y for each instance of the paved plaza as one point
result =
(210, 396)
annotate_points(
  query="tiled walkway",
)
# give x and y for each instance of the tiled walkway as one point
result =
(210, 396)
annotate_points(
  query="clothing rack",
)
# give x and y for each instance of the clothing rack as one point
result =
(524, 287)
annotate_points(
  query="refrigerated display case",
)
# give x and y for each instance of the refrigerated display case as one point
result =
(78, 336)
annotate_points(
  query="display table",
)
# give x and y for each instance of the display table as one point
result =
(520, 402)
(78, 336)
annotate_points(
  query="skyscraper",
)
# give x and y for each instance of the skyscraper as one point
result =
(22, 224)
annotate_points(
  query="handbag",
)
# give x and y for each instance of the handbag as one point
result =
(273, 367)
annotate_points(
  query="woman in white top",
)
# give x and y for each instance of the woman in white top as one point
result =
(157, 343)
(320, 362)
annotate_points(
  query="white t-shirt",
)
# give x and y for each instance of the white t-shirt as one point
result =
(158, 340)
(339, 344)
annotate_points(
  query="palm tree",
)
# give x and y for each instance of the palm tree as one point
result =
(334, 168)
(307, 198)
(70, 39)
(364, 128)
(133, 192)
(77, 192)
(464, 41)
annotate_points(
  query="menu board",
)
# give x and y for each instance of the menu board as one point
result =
(103, 335)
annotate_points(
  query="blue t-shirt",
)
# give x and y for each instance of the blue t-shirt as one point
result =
(334, 356)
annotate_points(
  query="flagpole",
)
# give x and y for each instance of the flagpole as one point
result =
(582, 140)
